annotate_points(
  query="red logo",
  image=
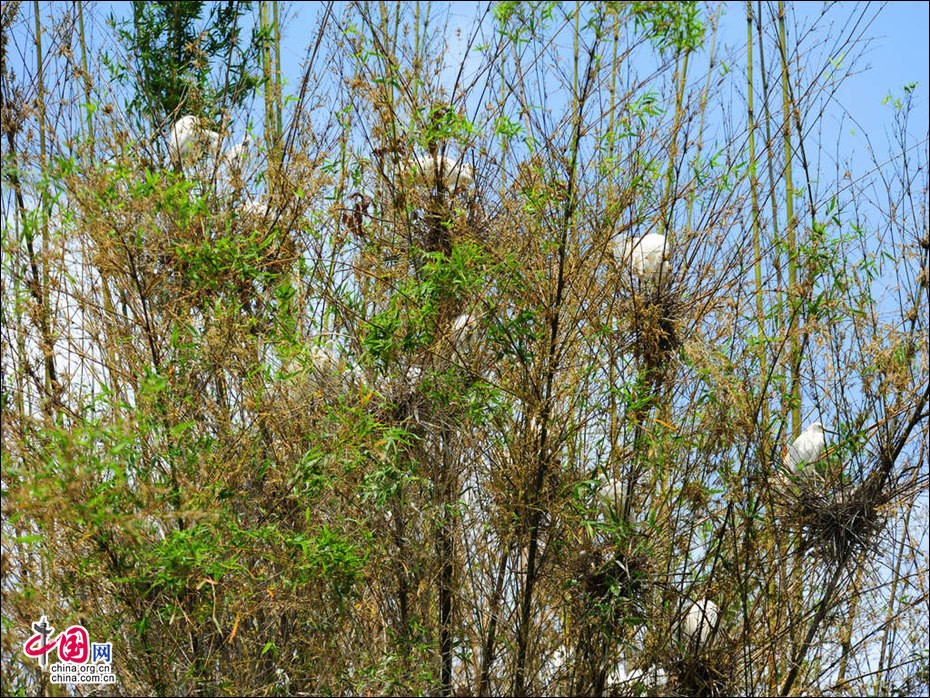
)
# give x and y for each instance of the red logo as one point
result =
(74, 645)
(33, 651)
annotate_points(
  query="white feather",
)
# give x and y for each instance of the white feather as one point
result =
(325, 361)
(464, 331)
(455, 175)
(611, 492)
(255, 209)
(806, 449)
(188, 141)
(700, 621)
(644, 257)
(236, 156)
(459, 175)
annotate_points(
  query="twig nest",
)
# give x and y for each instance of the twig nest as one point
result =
(700, 622)
(643, 256)
(838, 521)
(803, 454)
(711, 673)
(398, 386)
(189, 141)
(609, 581)
(401, 391)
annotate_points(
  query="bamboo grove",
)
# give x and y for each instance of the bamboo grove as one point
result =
(335, 417)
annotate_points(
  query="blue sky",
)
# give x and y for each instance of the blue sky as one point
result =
(897, 51)
(894, 51)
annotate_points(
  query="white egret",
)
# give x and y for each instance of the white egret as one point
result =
(188, 140)
(556, 664)
(700, 622)
(464, 332)
(155, 527)
(806, 450)
(451, 174)
(355, 374)
(611, 492)
(321, 367)
(533, 430)
(412, 375)
(399, 386)
(324, 360)
(620, 676)
(644, 257)
(459, 175)
(255, 209)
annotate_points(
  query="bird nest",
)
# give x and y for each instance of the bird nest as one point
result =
(652, 318)
(610, 581)
(837, 522)
(709, 671)
(403, 396)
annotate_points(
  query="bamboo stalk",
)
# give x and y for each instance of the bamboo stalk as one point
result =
(86, 75)
(108, 307)
(699, 146)
(786, 572)
(553, 354)
(770, 166)
(271, 134)
(885, 659)
(754, 194)
(791, 293)
(671, 173)
(40, 290)
(276, 20)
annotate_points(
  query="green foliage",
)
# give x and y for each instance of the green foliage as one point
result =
(332, 558)
(670, 24)
(458, 275)
(408, 323)
(507, 128)
(178, 50)
(442, 124)
(521, 21)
